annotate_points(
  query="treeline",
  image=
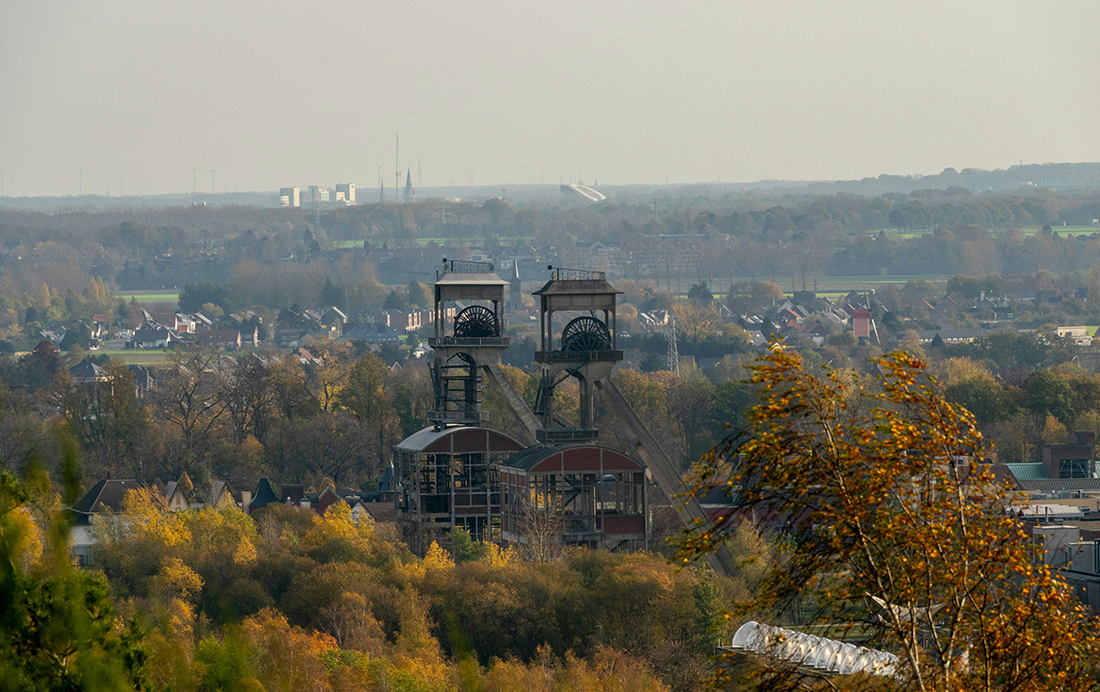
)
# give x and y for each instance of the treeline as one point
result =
(1018, 407)
(212, 599)
(738, 235)
(335, 416)
(214, 416)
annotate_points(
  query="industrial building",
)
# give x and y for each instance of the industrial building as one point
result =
(557, 484)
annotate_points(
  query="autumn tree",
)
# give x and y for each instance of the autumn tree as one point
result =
(58, 630)
(898, 526)
(364, 395)
(105, 419)
(335, 445)
(248, 399)
(694, 320)
(187, 402)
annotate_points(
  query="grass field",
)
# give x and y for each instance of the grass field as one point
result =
(421, 242)
(150, 296)
(136, 357)
(1060, 230)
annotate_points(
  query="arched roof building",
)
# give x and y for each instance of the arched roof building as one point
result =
(448, 481)
(576, 495)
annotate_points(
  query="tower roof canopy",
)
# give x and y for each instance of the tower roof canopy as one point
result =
(470, 279)
(458, 439)
(577, 282)
(586, 458)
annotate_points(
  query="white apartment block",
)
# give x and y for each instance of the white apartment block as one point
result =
(289, 197)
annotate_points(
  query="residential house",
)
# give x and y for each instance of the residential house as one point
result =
(1079, 334)
(264, 496)
(87, 372)
(373, 334)
(149, 335)
(290, 338)
(181, 494)
(951, 336)
(221, 339)
(334, 320)
(144, 379)
(817, 334)
(106, 495)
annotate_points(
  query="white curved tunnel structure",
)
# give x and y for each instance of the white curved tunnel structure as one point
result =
(821, 654)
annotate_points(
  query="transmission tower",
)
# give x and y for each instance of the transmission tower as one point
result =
(672, 357)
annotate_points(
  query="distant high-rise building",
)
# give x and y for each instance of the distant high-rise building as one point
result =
(346, 192)
(317, 194)
(289, 196)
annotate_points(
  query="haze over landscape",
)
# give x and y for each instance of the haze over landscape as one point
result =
(702, 345)
(488, 93)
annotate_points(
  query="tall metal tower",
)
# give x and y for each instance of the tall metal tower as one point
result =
(672, 356)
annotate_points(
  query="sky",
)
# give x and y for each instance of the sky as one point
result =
(153, 95)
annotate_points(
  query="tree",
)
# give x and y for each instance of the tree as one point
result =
(700, 294)
(1049, 393)
(420, 295)
(104, 418)
(364, 395)
(694, 320)
(40, 366)
(248, 398)
(193, 296)
(899, 526)
(335, 445)
(396, 301)
(57, 627)
(189, 400)
(652, 362)
(746, 294)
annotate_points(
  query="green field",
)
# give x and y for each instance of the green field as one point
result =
(148, 297)
(421, 242)
(1060, 230)
(1064, 230)
(137, 357)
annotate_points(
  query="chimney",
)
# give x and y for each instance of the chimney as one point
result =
(246, 500)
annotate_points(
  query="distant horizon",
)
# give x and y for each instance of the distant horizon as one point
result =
(362, 191)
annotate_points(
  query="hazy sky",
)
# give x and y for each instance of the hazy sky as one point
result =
(295, 93)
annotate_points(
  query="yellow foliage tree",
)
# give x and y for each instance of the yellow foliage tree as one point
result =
(437, 558)
(893, 505)
(176, 580)
(145, 514)
(290, 657)
(338, 522)
(496, 556)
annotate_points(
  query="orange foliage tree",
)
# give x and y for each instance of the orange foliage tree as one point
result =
(899, 528)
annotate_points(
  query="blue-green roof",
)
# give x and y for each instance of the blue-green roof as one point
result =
(1028, 472)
